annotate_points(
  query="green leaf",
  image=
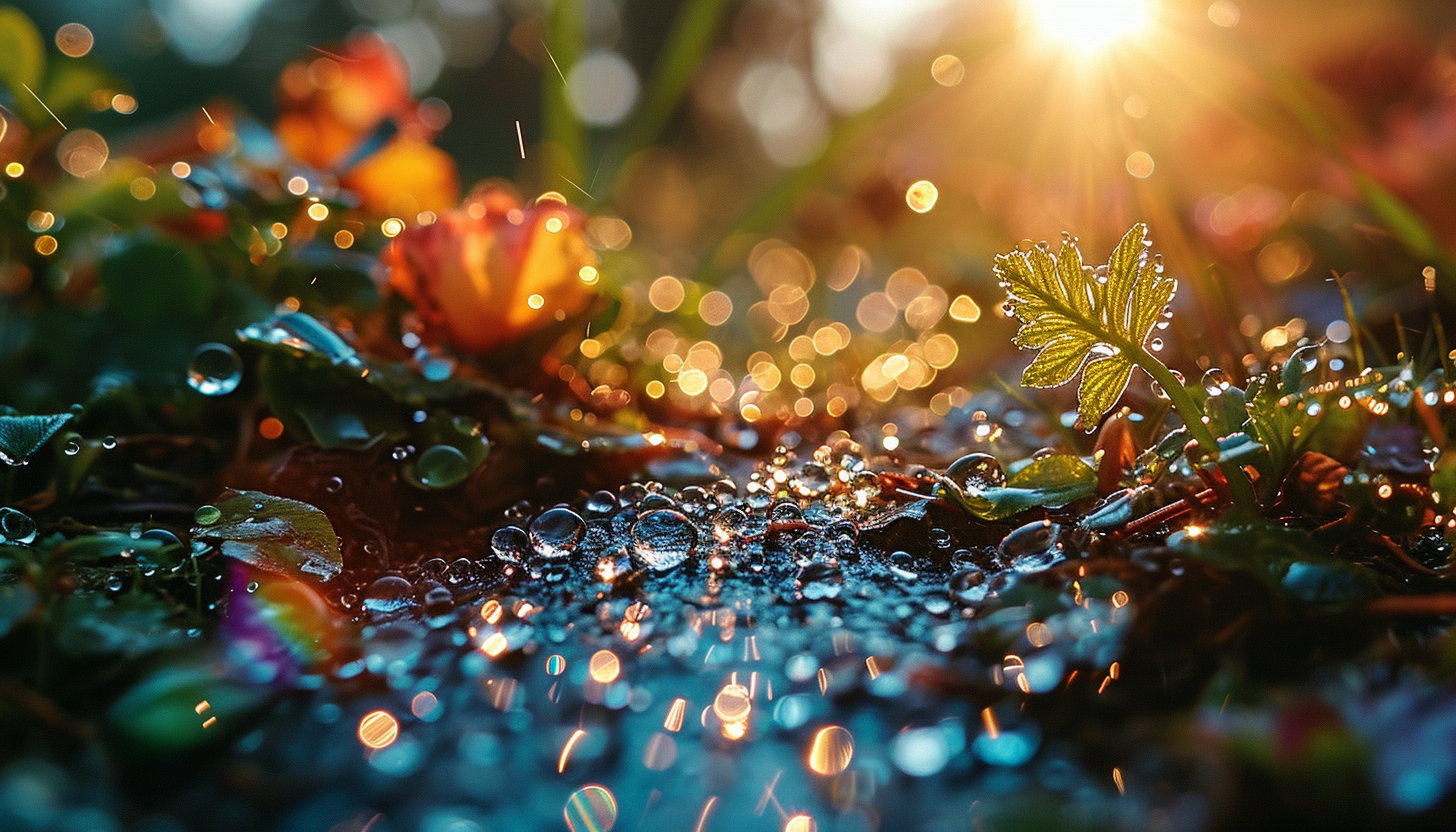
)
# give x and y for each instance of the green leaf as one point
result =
(22, 54)
(22, 436)
(171, 710)
(90, 624)
(275, 534)
(1081, 323)
(151, 284)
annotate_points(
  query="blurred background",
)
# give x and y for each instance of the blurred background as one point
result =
(823, 184)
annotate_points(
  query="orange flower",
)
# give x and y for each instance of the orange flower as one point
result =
(494, 271)
(333, 104)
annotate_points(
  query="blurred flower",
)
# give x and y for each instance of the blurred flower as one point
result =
(336, 107)
(494, 271)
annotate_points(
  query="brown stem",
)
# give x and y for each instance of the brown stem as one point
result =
(1438, 605)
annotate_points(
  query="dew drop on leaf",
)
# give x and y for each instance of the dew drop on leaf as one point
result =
(441, 466)
(207, 515)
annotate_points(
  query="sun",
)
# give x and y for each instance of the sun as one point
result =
(1089, 25)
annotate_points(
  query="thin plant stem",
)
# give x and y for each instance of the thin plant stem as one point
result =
(1240, 489)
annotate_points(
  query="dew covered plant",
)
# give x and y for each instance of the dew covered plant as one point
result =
(1099, 321)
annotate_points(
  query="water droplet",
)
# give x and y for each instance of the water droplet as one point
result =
(72, 445)
(1156, 344)
(1158, 390)
(819, 580)
(389, 596)
(207, 515)
(1306, 358)
(969, 585)
(16, 527)
(439, 601)
(1216, 381)
(662, 539)
(252, 586)
(108, 442)
(729, 523)
(974, 473)
(441, 466)
(400, 453)
(556, 533)
(601, 503)
(116, 583)
(510, 544)
(786, 511)
(333, 485)
(215, 370)
(1032, 547)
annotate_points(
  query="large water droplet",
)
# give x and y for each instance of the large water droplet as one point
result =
(556, 533)
(215, 370)
(16, 527)
(976, 472)
(207, 515)
(1032, 547)
(729, 523)
(600, 503)
(510, 544)
(389, 596)
(441, 466)
(969, 585)
(1216, 381)
(662, 539)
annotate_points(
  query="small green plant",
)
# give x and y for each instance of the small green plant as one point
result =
(1100, 325)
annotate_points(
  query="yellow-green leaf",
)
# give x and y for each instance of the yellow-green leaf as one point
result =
(1058, 362)
(1103, 381)
(1070, 316)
